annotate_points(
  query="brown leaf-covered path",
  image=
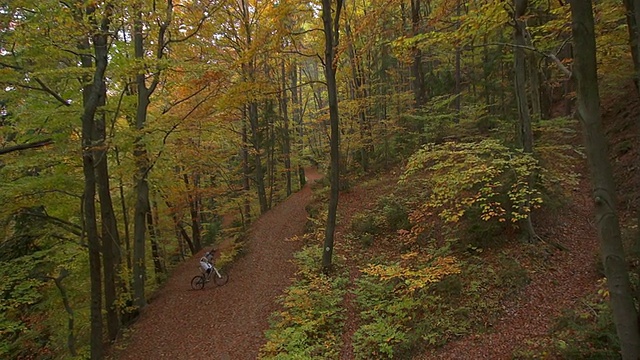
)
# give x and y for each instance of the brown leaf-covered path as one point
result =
(228, 322)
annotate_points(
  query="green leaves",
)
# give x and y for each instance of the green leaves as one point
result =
(18, 291)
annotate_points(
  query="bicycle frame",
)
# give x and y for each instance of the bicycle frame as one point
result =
(207, 276)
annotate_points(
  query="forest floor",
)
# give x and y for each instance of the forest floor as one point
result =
(228, 323)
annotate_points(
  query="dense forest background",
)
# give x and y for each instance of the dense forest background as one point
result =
(135, 133)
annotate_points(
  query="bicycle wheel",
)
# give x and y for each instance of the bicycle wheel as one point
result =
(220, 280)
(197, 282)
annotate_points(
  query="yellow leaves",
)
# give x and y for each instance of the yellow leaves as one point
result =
(412, 278)
(485, 175)
(603, 291)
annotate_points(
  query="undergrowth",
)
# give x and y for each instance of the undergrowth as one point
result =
(395, 322)
(310, 324)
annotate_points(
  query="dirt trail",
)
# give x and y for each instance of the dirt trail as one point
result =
(228, 322)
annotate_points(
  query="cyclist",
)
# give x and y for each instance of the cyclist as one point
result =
(206, 261)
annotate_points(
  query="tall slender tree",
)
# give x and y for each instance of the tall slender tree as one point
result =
(331, 37)
(141, 156)
(611, 249)
(93, 96)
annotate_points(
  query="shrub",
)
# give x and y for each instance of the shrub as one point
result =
(395, 213)
(366, 223)
(311, 321)
(394, 301)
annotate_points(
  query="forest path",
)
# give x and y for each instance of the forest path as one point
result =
(228, 322)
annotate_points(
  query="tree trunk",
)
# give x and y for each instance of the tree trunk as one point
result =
(109, 231)
(417, 73)
(180, 228)
(286, 137)
(155, 249)
(140, 154)
(525, 133)
(358, 95)
(249, 70)
(91, 101)
(257, 157)
(140, 177)
(125, 217)
(331, 37)
(296, 101)
(534, 86)
(110, 236)
(246, 179)
(633, 17)
(194, 211)
(270, 146)
(71, 338)
(458, 73)
(611, 249)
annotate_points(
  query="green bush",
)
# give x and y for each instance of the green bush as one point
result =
(398, 310)
(385, 319)
(395, 213)
(366, 223)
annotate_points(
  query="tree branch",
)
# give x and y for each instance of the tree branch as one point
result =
(48, 90)
(553, 57)
(32, 145)
(64, 224)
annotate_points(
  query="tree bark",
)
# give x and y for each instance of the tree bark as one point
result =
(110, 236)
(91, 100)
(296, 101)
(525, 133)
(633, 17)
(194, 211)
(140, 177)
(154, 235)
(246, 170)
(458, 72)
(611, 249)
(125, 218)
(331, 37)
(286, 136)
(257, 157)
(417, 72)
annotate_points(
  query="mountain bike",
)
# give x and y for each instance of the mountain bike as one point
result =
(219, 278)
